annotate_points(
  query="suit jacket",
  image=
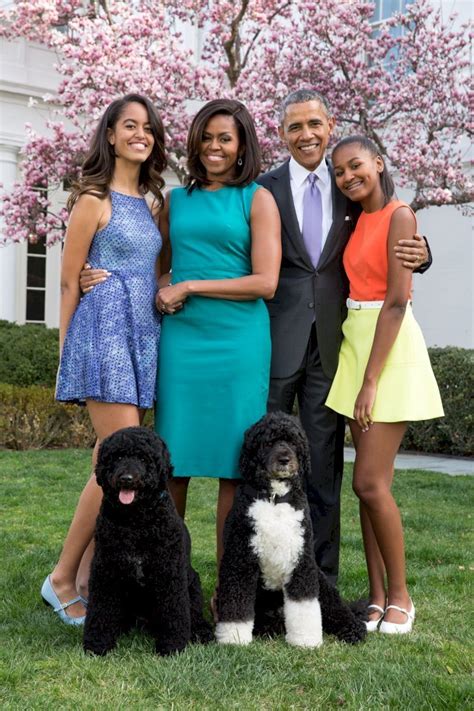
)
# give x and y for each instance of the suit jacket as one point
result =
(306, 294)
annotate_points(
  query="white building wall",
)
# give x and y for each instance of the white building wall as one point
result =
(26, 71)
(443, 297)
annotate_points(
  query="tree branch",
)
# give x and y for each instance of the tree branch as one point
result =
(231, 46)
(257, 33)
(104, 4)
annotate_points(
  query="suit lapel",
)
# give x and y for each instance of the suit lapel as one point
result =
(284, 198)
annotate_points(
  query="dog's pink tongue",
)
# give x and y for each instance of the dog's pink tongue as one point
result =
(126, 496)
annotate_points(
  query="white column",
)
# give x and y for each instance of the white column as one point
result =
(9, 253)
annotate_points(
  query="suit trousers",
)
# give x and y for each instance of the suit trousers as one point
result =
(325, 431)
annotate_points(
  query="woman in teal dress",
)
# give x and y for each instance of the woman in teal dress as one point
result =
(221, 238)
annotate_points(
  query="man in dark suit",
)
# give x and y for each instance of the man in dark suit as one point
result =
(309, 306)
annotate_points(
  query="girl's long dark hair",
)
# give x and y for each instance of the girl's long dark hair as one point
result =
(99, 163)
(386, 182)
(249, 149)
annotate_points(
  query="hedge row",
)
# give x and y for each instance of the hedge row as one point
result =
(30, 418)
(453, 433)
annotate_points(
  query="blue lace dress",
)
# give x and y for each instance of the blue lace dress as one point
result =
(110, 350)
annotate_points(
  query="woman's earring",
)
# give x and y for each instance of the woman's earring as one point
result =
(240, 162)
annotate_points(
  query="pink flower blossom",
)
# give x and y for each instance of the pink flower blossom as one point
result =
(406, 84)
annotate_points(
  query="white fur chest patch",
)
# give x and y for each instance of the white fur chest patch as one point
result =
(278, 540)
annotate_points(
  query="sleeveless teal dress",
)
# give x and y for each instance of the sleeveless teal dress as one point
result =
(215, 353)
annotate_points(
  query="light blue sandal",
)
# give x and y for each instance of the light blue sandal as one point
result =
(50, 598)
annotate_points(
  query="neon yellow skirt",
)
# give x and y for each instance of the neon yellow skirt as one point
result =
(406, 389)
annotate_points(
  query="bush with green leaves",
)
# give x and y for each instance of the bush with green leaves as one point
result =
(30, 418)
(29, 354)
(453, 433)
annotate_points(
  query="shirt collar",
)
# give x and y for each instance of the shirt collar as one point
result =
(299, 173)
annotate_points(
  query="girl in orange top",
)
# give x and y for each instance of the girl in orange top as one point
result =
(384, 376)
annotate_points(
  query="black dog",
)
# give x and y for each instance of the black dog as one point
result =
(268, 560)
(141, 567)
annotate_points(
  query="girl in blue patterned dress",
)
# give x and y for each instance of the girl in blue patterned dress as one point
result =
(109, 338)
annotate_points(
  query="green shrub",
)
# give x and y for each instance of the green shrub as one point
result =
(29, 354)
(30, 418)
(452, 434)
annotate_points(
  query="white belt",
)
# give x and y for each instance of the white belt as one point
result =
(351, 304)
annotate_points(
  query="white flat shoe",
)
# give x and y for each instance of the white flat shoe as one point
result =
(372, 625)
(399, 627)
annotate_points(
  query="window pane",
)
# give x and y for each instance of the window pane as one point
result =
(391, 6)
(34, 305)
(38, 248)
(36, 272)
(377, 8)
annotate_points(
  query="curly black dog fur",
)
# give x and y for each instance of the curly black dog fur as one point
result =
(141, 567)
(268, 564)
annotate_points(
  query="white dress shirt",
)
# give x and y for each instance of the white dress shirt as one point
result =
(298, 183)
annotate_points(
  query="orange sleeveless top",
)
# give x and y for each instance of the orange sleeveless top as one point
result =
(366, 256)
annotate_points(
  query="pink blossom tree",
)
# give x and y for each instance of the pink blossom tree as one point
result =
(404, 83)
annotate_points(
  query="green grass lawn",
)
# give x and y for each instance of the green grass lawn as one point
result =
(42, 665)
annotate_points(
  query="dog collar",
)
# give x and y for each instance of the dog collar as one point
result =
(266, 495)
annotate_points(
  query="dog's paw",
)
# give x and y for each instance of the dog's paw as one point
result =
(203, 634)
(303, 622)
(360, 608)
(167, 650)
(269, 623)
(310, 641)
(98, 650)
(234, 632)
(353, 633)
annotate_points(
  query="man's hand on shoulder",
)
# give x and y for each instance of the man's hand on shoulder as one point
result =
(414, 252)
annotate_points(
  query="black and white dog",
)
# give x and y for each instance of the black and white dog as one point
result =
(268, 546)
(141, 568)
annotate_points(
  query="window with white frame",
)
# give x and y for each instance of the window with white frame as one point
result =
(36, 278)
(386, 8)
(382, 11)
(36, 282)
